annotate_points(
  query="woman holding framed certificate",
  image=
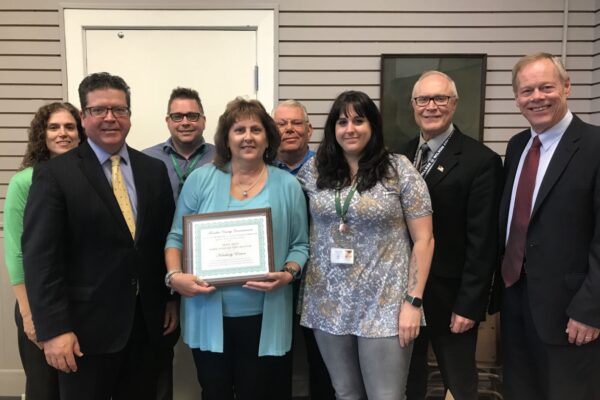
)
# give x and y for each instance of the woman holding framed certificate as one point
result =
(371, 248)
(240, 333)
(55, 129)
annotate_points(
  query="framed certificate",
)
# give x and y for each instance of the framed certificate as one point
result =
(228, 248)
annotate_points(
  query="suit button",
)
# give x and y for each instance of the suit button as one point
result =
(532, 245)
(133, 282)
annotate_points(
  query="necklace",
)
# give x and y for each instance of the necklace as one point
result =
(245, 191)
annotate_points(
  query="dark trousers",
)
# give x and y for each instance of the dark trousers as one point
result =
(165, 372)
(128, 374)
(319, 381)
(455, 354)
(239, 373)
(533, 370)
(42, 379)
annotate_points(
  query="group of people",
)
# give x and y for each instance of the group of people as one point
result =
(94, 247)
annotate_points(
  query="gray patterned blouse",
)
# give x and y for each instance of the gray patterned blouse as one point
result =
(362, 298)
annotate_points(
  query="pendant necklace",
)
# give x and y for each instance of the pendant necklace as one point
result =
(245, 192)
(340, 210)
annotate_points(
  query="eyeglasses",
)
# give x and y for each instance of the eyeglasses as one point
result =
(101, 111)
(422, 101)
(191, 116)
(296, 123)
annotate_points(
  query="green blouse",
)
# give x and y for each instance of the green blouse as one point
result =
(14, 209)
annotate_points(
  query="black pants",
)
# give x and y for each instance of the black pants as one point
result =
(165, 373)
(129, 374)
(42, 379)
(239, 373)
(455, 354)
(319, 381)
(534, 370)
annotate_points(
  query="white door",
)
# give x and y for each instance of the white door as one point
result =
(219, 64)
(220, 53)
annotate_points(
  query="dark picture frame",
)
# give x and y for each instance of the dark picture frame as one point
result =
(399, 72)
(230, 247)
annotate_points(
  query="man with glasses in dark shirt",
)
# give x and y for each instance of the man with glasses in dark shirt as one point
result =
(295, 132)
(186, 149)
(182, 153)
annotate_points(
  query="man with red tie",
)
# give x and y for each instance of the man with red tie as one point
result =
(549, 221)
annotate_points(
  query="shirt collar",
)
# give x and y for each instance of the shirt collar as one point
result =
(284, 166)
(552, 135)
(435, 142)
(103, 155)
(169, 148)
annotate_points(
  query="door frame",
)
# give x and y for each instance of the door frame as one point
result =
(75, 19)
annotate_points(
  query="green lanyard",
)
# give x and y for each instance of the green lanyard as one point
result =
(183, 175)
(340, 210)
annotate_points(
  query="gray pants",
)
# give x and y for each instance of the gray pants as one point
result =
(365, 368)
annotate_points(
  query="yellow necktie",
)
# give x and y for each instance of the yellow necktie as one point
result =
(120, 191)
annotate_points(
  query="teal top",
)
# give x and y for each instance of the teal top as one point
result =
(14, 208)
(207, 190)
(239, 301)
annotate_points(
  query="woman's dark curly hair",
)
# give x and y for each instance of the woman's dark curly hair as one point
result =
(37, 151)
(374, 164)
(236, 110)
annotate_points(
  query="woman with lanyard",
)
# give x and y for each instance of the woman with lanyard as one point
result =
(371, 247)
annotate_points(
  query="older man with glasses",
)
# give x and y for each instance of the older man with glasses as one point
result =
(186, 149)
(464, 179)
(295, 131)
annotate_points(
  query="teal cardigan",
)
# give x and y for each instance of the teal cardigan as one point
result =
(207, 190)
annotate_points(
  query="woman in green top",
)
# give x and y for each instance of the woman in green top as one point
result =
(55, 129)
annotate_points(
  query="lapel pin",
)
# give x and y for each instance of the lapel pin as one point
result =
(440, 168)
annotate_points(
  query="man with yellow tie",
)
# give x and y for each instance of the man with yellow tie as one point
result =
(94, 232)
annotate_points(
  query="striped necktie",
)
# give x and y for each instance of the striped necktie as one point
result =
(120, 191)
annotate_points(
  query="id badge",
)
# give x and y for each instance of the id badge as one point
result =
(342, 256)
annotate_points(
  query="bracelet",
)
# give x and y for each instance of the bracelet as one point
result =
(169, 275)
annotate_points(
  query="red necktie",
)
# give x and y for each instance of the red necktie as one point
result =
(515, 246)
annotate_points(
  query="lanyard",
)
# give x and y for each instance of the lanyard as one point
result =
(342, 211)
(427, 167)
(191, 165)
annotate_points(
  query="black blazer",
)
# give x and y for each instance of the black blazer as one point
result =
(465, 185)
(81, 264)
(563, 238)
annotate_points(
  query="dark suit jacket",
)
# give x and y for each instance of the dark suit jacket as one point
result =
(563, 239)
(465, 185)
(81, 264)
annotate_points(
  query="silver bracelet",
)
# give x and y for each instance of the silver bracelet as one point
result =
(169, 275)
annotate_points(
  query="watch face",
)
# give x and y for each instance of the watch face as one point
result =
(415, 301)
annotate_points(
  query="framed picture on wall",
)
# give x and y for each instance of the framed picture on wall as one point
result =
(399, 72)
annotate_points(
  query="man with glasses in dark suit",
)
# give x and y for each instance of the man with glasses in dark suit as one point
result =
(464, 178)
(93, 250)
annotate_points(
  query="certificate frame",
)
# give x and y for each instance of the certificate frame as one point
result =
(229, 247)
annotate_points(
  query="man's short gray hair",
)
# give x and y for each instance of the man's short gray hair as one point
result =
(439, 73)
(292, 104)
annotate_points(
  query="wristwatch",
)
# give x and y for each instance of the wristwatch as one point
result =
(296, 273)
(414, 301)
